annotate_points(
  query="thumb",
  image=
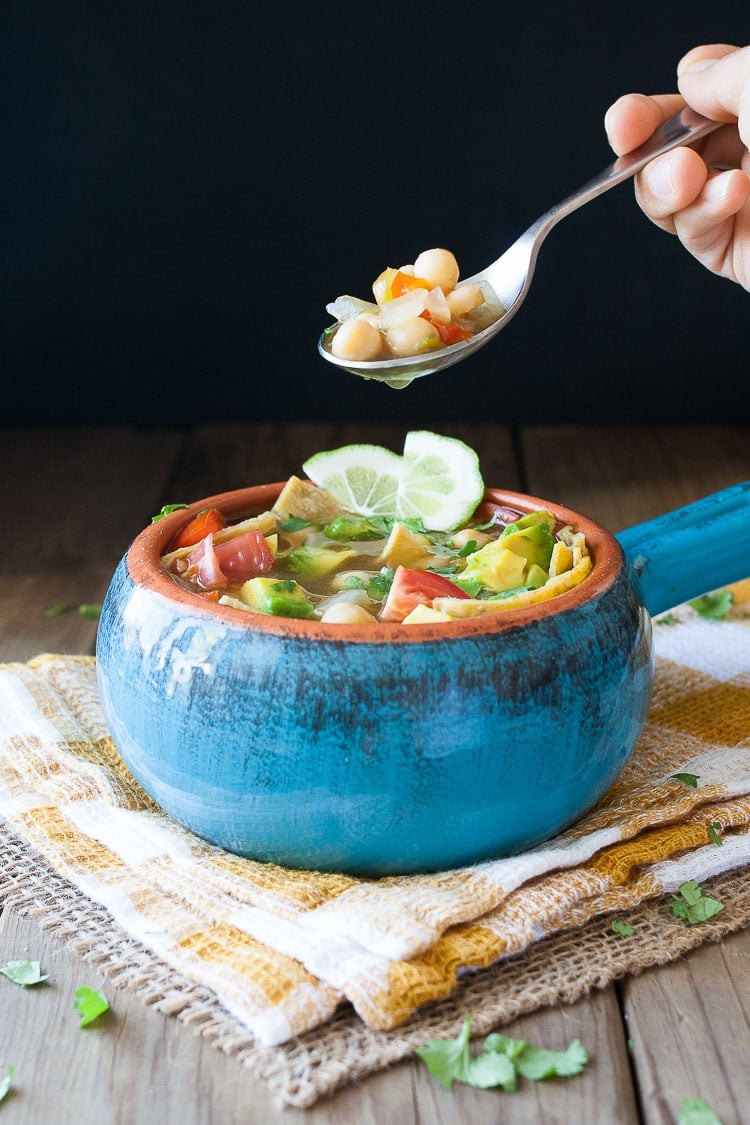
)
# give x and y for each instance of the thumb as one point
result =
(715, 80)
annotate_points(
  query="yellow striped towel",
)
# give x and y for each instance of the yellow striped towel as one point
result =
(282, 949)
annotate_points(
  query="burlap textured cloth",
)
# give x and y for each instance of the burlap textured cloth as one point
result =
(275, 953)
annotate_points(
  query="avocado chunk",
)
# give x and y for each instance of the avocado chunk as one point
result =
(535, 577)
(534, 543)
(496, 568)
(279, 597)
(316, 562)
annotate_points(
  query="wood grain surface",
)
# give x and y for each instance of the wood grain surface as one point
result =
(77, 496)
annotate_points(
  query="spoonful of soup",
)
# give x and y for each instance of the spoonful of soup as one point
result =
(423, 318)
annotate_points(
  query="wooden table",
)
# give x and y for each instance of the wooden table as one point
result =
(72, 500)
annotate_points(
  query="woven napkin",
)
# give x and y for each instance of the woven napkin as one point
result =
(282, 949)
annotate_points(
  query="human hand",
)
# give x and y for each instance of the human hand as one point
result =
(702, 195)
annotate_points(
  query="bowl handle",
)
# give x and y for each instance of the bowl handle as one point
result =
(691, 550)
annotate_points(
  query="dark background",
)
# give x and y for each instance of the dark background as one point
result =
(186, 186)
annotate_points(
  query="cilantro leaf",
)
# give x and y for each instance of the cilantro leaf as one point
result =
(696, 1111)
(444, 570)
(354, 582)
(57, 610)
(469, 547)
(714, 606)
(293, 523)
(689, 779)
(380, 584)
(501, 1061)
(693, 906)
(714, 830)
(536, 1063)
(622, 928)
(667, 619)
(93, 612)
(90, 1004)
(24, 973)
(7, 1081)
(448, 1059)
(284, 586)
(167, 511)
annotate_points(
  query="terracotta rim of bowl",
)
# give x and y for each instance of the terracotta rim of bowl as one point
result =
(145, 570)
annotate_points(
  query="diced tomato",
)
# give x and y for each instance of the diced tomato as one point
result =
(449, 333)
(404, 283)
(210, 519)
(411, 588)
(244, 556)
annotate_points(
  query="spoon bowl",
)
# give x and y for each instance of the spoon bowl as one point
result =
(510, 275)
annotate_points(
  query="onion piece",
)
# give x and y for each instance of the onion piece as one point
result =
(347, 308)
(403, 308)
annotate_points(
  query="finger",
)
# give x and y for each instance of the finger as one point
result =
(634, 117)
(714, 80)
(707, 227)
(669, 184)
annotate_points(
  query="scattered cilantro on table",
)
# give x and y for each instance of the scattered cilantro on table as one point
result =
(689, 779)
(622, 928)
(57, 610)
(93, 612)
(500, 1061)
(6, 1081)
(714, 606)
(667, 619)
(25, 973)
(696, 1111)
(90, 1004)
(714, 833)
(692, 905)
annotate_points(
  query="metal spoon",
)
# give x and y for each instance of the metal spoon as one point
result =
(510, 276)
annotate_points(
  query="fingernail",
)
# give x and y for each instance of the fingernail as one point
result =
(692, 68)
(659, 177)
(716, 187)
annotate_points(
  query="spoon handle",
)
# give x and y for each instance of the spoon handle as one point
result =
(684, 128)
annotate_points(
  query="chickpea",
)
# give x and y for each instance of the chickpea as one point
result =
(357, 340)
(465, 299)
(339, 579)
(465, 535)
(412, 336)
(347, 613)
(439, 267)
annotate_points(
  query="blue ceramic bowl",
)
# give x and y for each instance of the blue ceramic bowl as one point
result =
(389, 748)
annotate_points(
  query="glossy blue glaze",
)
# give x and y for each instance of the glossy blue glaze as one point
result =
(374, 758)
(684, 553)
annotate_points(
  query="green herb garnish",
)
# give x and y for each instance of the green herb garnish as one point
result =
(714, 606)
(447, 571)
(667, 619)
(93, 612)
(380, 584)
(25, 973)
(90, 1004)
(714, 830)
(692, 905)
(354, 582)
(7, 1081)
(469, 547)
(689, 779)
(622, 928)
(57, 610)
(167, 511)
(285, 586)
(500, 1061)
(293, 523)
(696, 1111)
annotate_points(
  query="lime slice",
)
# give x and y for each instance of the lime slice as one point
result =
(363, 478)
(441, 483)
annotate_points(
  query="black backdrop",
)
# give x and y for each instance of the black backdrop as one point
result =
(187, 185)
